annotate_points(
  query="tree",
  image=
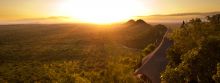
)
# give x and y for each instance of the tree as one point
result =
(183, 25)
(216, 77)
(149, 49)
(214, 21)
(195, 53)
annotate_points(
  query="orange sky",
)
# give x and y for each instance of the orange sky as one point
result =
(26, 9)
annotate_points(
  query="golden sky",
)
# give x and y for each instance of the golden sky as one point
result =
(100, 10)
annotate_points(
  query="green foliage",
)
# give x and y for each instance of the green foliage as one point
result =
(216, 77)
(43, 73)
(195, 53)
(72, 53)
(149, 49)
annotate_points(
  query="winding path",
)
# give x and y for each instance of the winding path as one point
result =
(154, 63)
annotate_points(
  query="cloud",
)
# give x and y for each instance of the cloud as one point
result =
(188, 14)
(176, 18)
(52, 18)
(171, 18)
(46, 20)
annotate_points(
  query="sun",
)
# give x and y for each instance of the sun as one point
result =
(100, 11)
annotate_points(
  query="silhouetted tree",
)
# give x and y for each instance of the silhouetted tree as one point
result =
(214, 21)
(183, 25)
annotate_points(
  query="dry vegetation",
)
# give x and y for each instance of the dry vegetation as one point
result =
(75, 53)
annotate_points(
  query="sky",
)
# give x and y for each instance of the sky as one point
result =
(182, 6)
(27, 9)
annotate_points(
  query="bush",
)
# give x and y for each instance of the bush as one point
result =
(195, 53)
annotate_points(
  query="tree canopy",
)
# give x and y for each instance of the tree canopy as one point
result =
(195, 53)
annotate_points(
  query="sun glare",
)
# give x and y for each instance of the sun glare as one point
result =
(100, 11)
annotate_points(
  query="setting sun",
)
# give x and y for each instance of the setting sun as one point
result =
(109, 41)
(100, 11)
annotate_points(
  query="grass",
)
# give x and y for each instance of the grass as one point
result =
(75, 53)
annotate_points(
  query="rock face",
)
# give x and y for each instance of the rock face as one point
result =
(130, 22)
(142, 23)
(134, 29)
(139, 22)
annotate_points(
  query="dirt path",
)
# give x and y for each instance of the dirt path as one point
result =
(154, 63)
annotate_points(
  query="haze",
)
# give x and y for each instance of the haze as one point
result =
(98, 11)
